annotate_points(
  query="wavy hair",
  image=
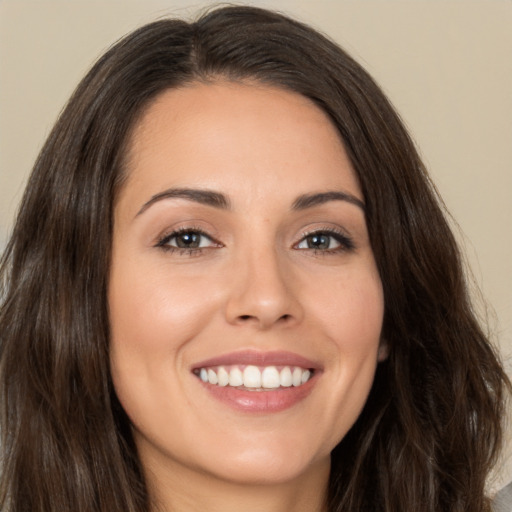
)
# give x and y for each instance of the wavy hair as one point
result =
(432, 426)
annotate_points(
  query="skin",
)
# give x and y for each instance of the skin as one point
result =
(257, 283)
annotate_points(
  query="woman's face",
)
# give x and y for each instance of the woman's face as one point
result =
(245, 304)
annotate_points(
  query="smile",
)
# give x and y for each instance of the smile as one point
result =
(255, 378)
(260, 382)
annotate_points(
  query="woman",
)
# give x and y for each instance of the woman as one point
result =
(231, 284)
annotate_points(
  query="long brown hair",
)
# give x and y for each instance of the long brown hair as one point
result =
(431, 428)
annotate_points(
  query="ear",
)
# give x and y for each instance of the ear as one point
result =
(383, 351)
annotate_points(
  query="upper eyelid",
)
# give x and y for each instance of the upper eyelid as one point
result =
(169, 235)
(334, 231)
(185, 227)
(322, 229)
(341, 236)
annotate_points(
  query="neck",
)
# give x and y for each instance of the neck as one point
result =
(185, 490)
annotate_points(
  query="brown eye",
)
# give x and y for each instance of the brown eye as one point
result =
(319, 241)
(188, 240)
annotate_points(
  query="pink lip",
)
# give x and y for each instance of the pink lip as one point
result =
(257, 358)
(260, 401)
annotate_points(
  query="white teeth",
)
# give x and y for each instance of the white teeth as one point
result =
(253, 377)
(270, 377)
(223, 376)
(236, 378)
(297, 376)
(212, 377)
(286, 377)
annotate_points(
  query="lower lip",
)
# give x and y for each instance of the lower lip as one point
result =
(274, 400)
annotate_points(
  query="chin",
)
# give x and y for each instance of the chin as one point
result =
(259, 467)
(268, 459)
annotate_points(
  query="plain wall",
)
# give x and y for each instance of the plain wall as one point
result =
(446, 65)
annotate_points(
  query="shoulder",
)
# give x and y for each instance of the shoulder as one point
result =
(503, 500)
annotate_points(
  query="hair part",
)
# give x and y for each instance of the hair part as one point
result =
(431, 428)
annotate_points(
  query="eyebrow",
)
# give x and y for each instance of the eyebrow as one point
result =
(309, 200)
(218, 200)
(207, 197)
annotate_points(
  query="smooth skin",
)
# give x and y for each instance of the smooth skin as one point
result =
(193, 279)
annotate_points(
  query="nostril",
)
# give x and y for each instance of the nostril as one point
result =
(283, 318)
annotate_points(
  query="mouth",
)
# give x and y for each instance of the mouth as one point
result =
(258, 381)
(255, 378)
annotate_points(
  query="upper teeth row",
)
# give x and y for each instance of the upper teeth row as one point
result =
(253, 377)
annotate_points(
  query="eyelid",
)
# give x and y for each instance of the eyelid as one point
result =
(345, 241)
(162, 241)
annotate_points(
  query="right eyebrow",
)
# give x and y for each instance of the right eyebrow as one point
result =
(207, 197)
(310, 200)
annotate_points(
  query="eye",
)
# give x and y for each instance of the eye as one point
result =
(187, 240)
(328, 241)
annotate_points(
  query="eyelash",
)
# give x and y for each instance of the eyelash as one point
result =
(163, 243)
(346, 244)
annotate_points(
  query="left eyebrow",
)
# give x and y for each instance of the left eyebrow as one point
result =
(207, 197)
(309, 200)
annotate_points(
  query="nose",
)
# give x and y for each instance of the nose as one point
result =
(263, 292)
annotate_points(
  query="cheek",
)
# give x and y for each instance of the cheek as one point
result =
(351, 310)
(356, 333)
(153, 312)
(350, 313)
(153, 315)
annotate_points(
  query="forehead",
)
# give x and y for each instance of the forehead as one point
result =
(237, 138)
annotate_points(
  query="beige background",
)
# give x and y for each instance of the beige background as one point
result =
(446, 65)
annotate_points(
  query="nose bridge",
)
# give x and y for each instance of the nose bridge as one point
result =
(262, 288)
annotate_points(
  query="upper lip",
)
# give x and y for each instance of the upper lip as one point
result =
(259, 358)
